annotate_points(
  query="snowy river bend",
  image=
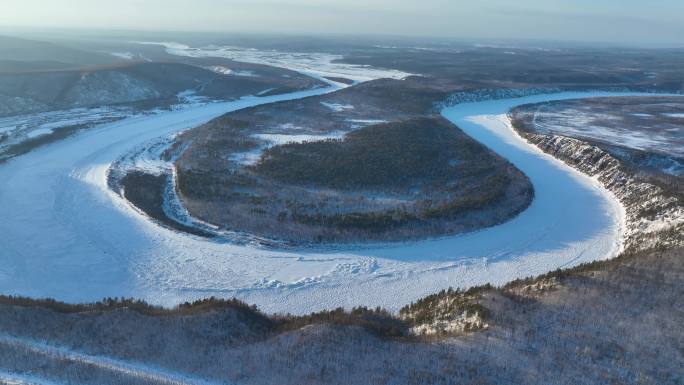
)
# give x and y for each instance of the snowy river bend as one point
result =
(65, 235)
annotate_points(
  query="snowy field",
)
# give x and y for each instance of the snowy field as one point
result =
(317, 65)
(19, 128)
(65, 235)
(271, 140)
(643, 131)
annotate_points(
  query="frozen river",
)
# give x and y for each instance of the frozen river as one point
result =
(64, 234)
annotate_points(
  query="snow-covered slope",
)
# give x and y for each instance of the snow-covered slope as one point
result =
(105, 370)
(650, 210)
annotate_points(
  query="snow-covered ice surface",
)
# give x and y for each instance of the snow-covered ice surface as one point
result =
(50, 197)
(64, 234)
(318, 65)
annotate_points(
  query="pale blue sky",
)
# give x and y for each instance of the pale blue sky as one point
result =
(621, 21)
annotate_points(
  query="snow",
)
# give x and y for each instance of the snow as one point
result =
(279, 139)
(39, 132)
(264, 92)
(190, 98)
(66, 235)
(318, 65)
(243, 73)
(60, 118)
(146, 158)
(589, 125)
(253, 156)
(9, 378)
(358, 123)
(167, 45)
(221, 70)
(66, 355)
(338, 107)
(123, 55)
(367, 121)
(227, 71)
(19, 128)
(247, 158)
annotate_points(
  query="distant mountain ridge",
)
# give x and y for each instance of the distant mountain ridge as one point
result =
(26, 50)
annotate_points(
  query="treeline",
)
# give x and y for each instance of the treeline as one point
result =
(373, 222)
(378, 321)
(140, 306)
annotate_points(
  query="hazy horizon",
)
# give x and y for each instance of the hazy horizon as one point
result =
(625, 22)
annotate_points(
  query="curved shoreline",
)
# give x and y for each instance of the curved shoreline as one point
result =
(153, 160)
(78, 241)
